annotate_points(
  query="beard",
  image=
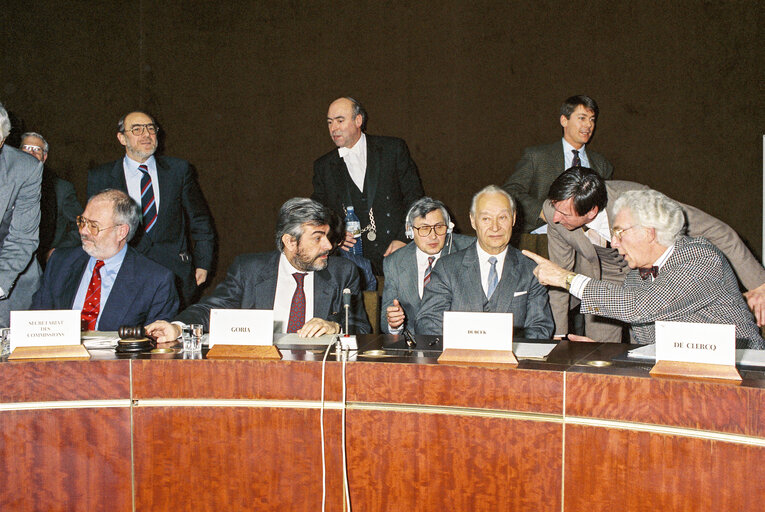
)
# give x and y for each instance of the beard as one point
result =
(305, 262)
(139, 152)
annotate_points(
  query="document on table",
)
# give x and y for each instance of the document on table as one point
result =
(533, 350)
(100, 340)
(294, 339)
(744, 357)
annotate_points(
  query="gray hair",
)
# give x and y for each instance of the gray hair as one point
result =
(652, 209)
(121, 122)
(491, 189)
(424, 206)
(126, 211)
(35, 134)
(5, 123)
(298, 211)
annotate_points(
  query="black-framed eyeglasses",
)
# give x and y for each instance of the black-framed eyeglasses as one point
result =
(93, 226)
(425, 229)
(137, 129)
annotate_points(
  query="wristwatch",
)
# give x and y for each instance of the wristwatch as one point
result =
(569, 280)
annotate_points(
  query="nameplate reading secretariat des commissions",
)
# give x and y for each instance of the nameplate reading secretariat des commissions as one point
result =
(241, 327)
(45, 328)
(478, 331)
(688, 342)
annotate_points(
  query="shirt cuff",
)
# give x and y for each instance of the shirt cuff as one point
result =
(398, 330)
(578, 284)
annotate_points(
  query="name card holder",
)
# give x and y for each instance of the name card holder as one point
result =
(696, 351)
(242, 334)
(31, 337)
(480, 339)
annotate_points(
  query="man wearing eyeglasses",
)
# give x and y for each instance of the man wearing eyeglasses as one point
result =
(20, 204)
(59, 206)
(166, 188)
(109, 281)
(671, 278)
(579, 206)
(490, 275)
(407, 271)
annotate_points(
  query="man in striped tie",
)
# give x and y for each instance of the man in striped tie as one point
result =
(173, 208)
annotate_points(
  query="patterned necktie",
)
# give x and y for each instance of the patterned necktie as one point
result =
(297, 309)
(148, 205)
(649, 271)
(92, 304)
(493, 278)
(576, 162)
(426, 279)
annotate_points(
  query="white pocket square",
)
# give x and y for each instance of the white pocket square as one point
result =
(524, 292)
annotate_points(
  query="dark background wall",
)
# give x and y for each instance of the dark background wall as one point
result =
(241, 90)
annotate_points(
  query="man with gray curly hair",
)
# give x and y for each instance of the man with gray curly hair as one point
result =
(672, 277)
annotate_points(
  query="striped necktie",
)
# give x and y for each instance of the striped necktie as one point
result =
(576, 162)
(426, 279)
(148, 204)
(92, 305)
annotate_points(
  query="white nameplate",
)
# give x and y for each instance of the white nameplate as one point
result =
(478, 331)
(45, 328)
(241, 327)
(688, 342)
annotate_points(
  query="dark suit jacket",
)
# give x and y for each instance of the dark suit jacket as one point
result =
(20, 177)
(401, 280)
(180, 198)
(250, 283)
(536, 170)
(392, 183)
(143, 291)
(455, 285)
(59, 207)
(572, 250)
(696, 284)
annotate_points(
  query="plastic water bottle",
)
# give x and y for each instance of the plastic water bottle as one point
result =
(353, 225)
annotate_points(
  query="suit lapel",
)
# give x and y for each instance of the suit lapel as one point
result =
(471, 272)
(73, 278)
(123, 292)
(118, 176)
(322, 293)
(408, 275)
(265, 289)
(508, 284)
(372, 175)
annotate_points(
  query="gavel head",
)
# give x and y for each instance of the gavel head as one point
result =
(131, 332)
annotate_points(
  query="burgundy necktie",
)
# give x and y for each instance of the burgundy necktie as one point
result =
(297, 309)
(649, 271)
(92, 303)
(576, 162)
(148, 204)
(426, 279)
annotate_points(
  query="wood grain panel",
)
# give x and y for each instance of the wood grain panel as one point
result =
(230, 379)
(214, 458)
(608, 469)
(719, 407)
(459, 386)
(65, 459)
(39, 381)
(427, 462)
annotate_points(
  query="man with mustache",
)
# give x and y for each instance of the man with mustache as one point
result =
(300, 281)
(166, 188)
(540, 165)
(109, 281)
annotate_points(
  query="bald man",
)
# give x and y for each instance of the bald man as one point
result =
(373, 174)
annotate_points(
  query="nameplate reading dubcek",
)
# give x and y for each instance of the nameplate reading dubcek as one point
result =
(478, 331)
(241, 327)
(45, 328)
(688, 342)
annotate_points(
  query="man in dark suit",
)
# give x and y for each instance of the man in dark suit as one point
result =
(671, 277)
(540, 165)
(580, 210)
(59, 206)
(300, 282)
(407, 271)
(167, 190)
(110, 282)
(373, 174)
(489, 276)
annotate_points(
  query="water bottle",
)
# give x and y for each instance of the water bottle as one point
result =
(353, 225)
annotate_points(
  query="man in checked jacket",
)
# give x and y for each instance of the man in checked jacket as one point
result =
(672, 277)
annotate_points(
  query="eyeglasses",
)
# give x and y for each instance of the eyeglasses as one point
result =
(425, 230)
(137, 129)
(33, 149)
(93, 226)
(618, 232)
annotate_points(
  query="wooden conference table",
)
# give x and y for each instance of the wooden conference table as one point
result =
(163, 433)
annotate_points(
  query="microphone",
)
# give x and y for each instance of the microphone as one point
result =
(347, 307)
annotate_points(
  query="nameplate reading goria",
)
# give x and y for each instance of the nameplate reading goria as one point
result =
(241, 327)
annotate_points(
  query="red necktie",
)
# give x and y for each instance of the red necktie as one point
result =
(92, 303)
(297, 309)
(426, 279)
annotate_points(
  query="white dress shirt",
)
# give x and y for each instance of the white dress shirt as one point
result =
(285, 289)
(133, 178)
(356, 161)
(483, 261)
(568, 155)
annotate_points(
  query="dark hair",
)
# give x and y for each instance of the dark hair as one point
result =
(358, 109)
(121, 122)
(583, 184)
(424, 206)
(298, 211)
(571, 103)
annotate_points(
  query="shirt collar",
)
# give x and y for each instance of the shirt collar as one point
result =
(113, 262)
(422, 257)
(567, 148)
(357, 148)
(600, 224)
(132, 165)
(664, 257)
(484, 256)
(286, 266)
